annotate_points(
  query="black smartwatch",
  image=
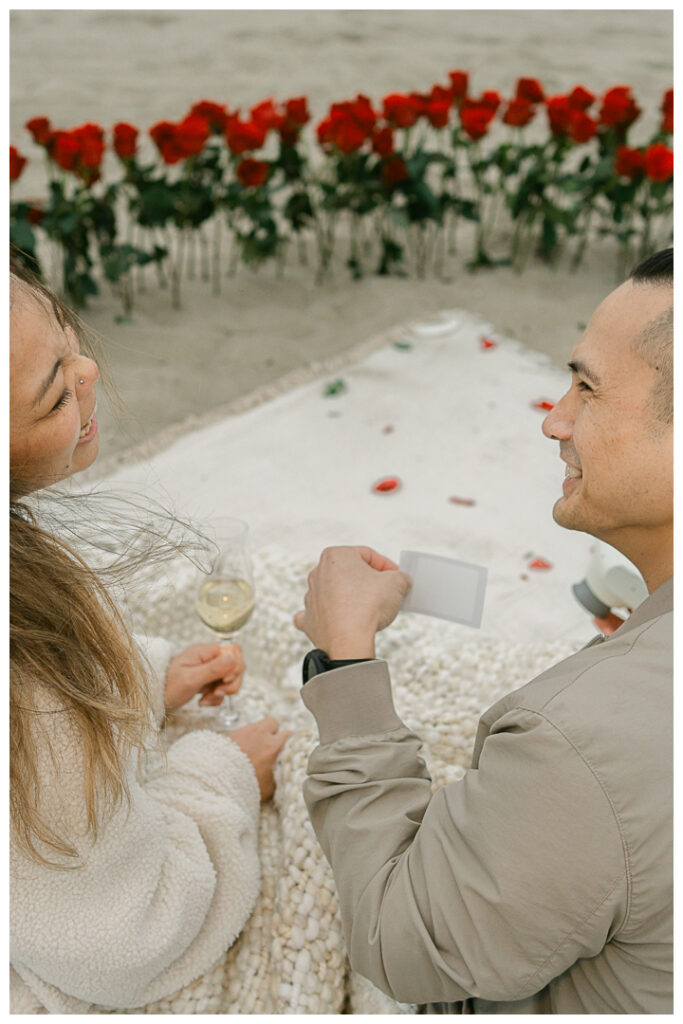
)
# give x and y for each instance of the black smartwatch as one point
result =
(316, 661)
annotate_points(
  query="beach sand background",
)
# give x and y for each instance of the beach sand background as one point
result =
(144, 65)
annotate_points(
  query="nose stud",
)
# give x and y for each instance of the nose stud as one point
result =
(81, 380)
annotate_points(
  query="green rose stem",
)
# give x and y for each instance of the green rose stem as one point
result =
(216, 255)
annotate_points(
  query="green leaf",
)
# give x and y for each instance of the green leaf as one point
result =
(335, 387)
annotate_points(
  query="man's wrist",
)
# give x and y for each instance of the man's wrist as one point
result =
(351, 650)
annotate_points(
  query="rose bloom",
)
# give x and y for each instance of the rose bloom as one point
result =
(215, 113)
(40, 129)
(519, 112)
(490, 99)
(619, 109)
(476, 118)
(125, 140)
(17, 162)
(297, 110)
(65, 149)
(659, 162)
(529, 89)
(360, 110)
(668, 111)
(191, 134)
(252, 173)
(394, 171)
(629, 163)
(581, 126)
(400, 111)
(559, 114)
(242, 136)
(436, 112)
(459, 82)
(163, 134)
(347, 134)
(580, 98)
(383, 141)
(266, 115)
(90, 139)
(35, 215)
(439, 92)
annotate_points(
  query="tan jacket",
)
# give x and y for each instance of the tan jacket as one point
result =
(542, 881)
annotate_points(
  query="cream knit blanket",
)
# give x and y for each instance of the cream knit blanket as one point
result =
(290, 957)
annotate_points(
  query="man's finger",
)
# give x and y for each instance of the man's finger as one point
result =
(376, 561)
(299, 620)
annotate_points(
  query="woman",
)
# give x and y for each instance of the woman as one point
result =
(126, 883)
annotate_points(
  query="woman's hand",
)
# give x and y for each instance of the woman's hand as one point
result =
(209, 669)
(262, 742)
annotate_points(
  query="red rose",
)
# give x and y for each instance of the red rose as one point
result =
(163, 134)
(191, 134)
(64, 150)
(348, 136)
(40, 129)
(529, 89)
(559, 114)
(630, 163)
(436, 112)
(580, 98)
(252, 173)
(244, 135)
(215, 113)
(35, 215)
(668, 111)
(581, 126)
(490, 99)
(400, 111)
(476, 118)
(394, 171)
(659, 162)
(459, 82)
(125, 140)
(440, 93)
(619, 109)
(267, 115)
(519, 112)
(90, 138)
(362, 113)
(324, 131)
(17, 162)
(383, 141)
(297, 110)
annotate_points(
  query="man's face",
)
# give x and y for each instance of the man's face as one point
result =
(619, 458)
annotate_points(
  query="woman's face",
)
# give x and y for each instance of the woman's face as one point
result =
(53, 429)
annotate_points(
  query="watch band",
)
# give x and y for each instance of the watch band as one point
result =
(317, 662)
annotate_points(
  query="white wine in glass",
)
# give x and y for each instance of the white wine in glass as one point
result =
(226, 594)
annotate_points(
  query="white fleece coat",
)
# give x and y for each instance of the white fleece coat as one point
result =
(160, 896)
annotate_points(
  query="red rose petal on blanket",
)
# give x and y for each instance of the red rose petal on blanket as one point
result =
(388, 429)
(461, 501)
(540, 563)
(543, 404)
(386, 485)
(486, 343)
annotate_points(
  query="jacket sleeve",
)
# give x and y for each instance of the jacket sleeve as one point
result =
(158, 897)
(489, 888)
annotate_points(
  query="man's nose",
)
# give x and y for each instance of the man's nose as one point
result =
(558, 424)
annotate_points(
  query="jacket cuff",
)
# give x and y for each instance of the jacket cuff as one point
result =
(352, 701)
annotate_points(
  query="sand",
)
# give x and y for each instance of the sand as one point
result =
(144, 65)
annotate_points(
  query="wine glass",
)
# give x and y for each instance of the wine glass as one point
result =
(225, 600)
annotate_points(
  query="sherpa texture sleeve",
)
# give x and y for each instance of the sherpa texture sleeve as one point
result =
(158, 897)
(157, 652)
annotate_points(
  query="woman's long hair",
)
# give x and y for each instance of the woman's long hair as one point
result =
(71, 655)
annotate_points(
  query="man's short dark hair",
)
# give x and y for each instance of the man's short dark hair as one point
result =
(655, 343)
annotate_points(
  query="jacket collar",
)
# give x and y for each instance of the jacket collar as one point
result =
(658, 603)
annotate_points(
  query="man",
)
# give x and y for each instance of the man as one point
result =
(542, 881)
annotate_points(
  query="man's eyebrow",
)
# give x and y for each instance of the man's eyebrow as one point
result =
(576, 366)
(47, 383)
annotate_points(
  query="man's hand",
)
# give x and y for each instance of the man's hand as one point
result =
(209, 669)
(262, 742)
(352, 593)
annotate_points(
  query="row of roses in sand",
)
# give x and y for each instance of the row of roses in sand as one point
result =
(399, 177)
